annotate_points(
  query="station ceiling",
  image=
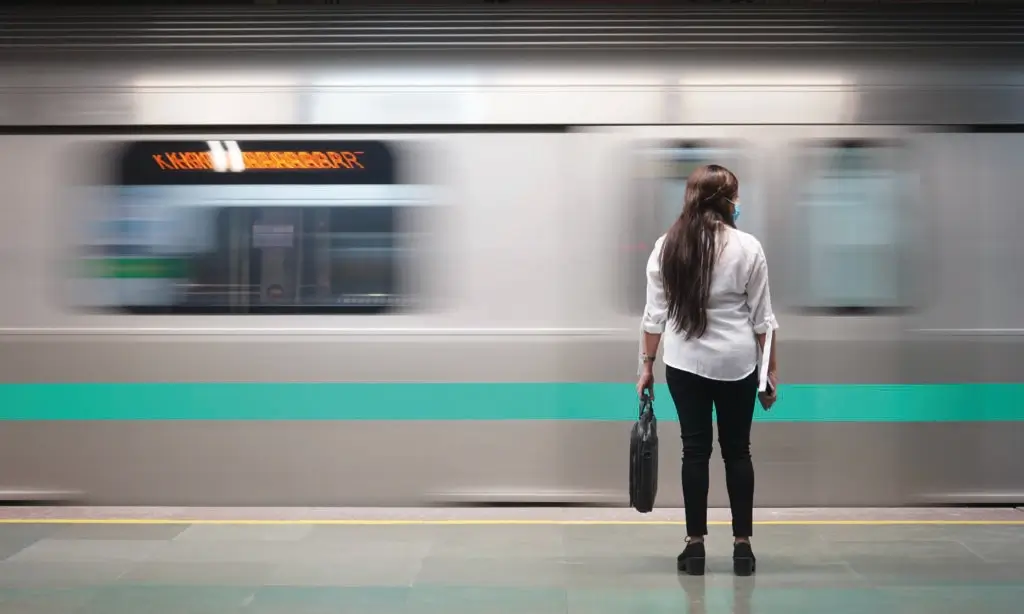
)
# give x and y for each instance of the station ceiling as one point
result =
(549, 4)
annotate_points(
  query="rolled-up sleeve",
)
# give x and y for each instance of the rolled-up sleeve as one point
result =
(759, 298)
(656, 310)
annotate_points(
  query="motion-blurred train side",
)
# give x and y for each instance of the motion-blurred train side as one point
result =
(402, 277)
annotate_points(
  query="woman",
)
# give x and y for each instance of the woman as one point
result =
(710, 281)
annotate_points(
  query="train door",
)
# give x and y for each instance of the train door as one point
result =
(844, 237)
(666, 157)
(965, 336)
(627, 193)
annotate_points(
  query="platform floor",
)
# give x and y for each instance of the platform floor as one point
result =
(482, 561)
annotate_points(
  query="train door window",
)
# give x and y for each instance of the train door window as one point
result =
(254, 227)
(665, 168)
(848, 230)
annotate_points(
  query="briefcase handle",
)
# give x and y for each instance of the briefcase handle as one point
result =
(646, 403)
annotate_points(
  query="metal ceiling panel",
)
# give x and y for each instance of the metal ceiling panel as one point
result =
(486, 27)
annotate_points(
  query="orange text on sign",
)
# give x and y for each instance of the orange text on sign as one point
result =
(263, 160)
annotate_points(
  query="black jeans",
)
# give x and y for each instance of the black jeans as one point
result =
(693, 396)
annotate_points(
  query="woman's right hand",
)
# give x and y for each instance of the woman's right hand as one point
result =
(645, 382)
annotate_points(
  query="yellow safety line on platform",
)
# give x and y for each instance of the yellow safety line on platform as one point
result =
(484, 522)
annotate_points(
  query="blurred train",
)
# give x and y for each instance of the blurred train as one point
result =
(311, 258)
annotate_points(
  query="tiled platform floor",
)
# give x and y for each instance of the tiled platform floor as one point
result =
(469, 561)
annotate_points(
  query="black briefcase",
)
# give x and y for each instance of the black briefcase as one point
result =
(643, 458)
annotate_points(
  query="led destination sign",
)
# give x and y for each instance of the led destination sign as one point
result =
(218, 162)
(259, 160)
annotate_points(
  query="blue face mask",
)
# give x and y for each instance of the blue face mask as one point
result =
(735, 211)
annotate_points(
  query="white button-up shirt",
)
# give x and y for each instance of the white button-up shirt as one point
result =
(739, 306)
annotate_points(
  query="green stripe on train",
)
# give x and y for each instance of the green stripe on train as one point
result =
(135, 268)
(215, 401)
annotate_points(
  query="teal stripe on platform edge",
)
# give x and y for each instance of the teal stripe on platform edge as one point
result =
(214, 401)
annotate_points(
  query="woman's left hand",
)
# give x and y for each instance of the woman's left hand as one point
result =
(767, 398)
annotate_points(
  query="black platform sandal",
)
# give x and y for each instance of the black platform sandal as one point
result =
(743, 561)
(691, 560)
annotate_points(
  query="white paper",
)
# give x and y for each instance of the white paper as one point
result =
(766, 354)
(640, 351)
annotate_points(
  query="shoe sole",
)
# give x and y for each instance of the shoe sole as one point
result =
(743, 566)
(693, 566)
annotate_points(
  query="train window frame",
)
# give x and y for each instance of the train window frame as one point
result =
(795, 293)
(302, 189)
(651, 192)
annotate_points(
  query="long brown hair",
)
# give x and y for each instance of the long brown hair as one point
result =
(691, 246)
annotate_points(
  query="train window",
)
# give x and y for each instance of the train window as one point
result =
(848, 228)
(657, 205)
(252, 227)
